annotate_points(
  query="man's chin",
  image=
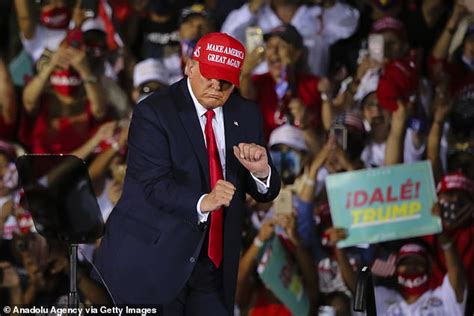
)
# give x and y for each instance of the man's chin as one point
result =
(213, 102)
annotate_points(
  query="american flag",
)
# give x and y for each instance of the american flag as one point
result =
(106, 13)
(384, 267)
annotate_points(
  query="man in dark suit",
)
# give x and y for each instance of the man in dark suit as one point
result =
(195, 150)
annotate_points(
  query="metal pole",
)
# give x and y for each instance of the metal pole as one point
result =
(73, 298)
(364, 299)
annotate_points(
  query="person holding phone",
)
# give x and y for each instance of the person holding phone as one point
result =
(65, 99)
(349, 134)
(286, 93)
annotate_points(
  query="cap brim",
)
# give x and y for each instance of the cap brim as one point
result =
(220, 73)
(411, 255)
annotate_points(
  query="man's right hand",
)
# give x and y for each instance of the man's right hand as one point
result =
(220, 196)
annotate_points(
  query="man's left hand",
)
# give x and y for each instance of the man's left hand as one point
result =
(254, 158)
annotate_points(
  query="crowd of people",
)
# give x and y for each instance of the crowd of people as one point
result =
(396, 77)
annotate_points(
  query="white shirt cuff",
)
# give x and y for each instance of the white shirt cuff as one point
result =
(201, 216)
(262, 187)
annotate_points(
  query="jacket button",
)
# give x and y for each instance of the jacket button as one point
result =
(192, 259)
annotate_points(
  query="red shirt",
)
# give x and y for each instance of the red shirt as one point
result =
(7, 131)
(62, 134)
(266, 98)
(459, 76)
(265, 306)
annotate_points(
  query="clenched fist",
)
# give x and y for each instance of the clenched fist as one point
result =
(220, 196)
(254, 158)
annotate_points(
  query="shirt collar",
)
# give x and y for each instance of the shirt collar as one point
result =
(200, 109)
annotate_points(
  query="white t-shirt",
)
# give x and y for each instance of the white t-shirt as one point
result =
(43, 38)
(438, 302)
(330, 277)
(373, 154)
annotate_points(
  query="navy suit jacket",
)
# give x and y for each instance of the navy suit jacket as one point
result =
(152, 238)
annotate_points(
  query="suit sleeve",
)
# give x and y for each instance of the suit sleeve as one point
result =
(149, 163)
(275, 182)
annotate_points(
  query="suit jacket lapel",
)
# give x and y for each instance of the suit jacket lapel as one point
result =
(188, 116)
(231, 128)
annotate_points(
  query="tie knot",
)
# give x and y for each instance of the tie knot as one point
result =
(210, 115)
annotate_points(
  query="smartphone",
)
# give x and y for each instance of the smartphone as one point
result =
(253, 38)
(283, 203)
(340, 132)
(376, 47)
(90, 8)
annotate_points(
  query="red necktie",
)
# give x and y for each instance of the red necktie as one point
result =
(214, 250)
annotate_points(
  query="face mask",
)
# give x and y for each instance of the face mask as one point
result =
(412, 284)
(55, 18)
(288, 165)
(65, 82)
(452, 211)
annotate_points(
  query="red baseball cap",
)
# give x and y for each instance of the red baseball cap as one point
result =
(220, 56)
(412, 250)
(455, 181)
(390, 24)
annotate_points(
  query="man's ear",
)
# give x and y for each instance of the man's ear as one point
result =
(188, 68)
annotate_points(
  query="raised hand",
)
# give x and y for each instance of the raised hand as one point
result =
(10, 278)
(254, 158)
(106, 131)
(288, 222)
(336, 234)
(267, 229)
(253, 59)
(78, 61)
(442, 104)
(60, 58)
(220, 196)
(298, 111)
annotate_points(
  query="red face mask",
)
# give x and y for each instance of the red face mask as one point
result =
(55, 18)
(412, 284)
(65, 82)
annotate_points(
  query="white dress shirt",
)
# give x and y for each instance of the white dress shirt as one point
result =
(219, 133)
